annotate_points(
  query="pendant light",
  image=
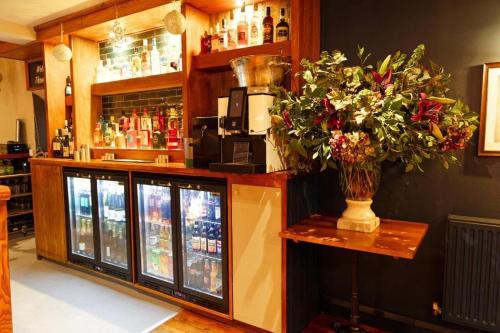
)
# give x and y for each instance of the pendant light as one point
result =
(117, 33)
(174, 21)
(62, 52)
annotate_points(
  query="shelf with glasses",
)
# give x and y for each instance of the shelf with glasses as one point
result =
(220, 60)
(15, 175)
(145, 83)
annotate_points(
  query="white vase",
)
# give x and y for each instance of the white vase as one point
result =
(358, 216)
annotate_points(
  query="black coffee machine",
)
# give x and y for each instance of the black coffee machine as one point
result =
(244, 129)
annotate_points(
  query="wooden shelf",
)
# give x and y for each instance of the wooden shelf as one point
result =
(20, 195)
(398, 239)
(15, 175)
(13, 156)
(154, 82)
(20, 212)
(220, 60)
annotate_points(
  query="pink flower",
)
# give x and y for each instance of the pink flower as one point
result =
(428, 109)
(383, 81)
(287, 120)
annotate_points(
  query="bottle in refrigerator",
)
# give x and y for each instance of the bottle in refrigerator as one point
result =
(206, 274)
(213, 277)
(195, 237)
(219, 242)
(203, 239)
(211, 240)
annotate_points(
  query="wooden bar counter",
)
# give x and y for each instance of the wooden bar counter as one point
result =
(5, 306)
(256, 214)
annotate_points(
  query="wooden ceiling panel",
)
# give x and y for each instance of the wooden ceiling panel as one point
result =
(21, 52)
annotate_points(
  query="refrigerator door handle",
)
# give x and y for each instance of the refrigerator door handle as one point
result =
(188, 186)
(165, 184)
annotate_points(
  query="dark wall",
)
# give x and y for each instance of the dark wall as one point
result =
(461, 35)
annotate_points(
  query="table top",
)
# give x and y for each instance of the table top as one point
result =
(399, 239)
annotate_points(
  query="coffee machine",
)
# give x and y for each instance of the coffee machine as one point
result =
(244, 127)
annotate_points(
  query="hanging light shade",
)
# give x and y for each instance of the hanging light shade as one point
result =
(62, 52)
(174, 21)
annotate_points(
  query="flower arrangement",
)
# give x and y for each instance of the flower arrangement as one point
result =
(365, 114)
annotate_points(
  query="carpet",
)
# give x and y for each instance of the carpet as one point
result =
(47, 297)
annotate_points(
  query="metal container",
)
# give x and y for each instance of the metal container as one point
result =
(259, 72)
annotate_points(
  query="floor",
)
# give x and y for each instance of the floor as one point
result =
(47, 297)
(190, 322)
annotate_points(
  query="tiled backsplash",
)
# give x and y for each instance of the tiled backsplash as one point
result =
(113, 105)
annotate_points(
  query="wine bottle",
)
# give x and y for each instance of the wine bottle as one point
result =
(282, 28)
(267, 27)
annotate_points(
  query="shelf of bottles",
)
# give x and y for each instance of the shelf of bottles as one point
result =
(155, 222)
(202, 241)
(112, 222)
(249, 25)
(141, 129)
(140, 55)
(80, 216)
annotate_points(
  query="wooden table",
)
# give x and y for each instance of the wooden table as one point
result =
(5, 307)
(398, 239)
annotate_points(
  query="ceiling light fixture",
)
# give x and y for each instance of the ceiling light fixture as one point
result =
(117, 33)
(62, 52)
(174, 21)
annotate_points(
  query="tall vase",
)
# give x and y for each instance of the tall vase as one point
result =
(359, 183)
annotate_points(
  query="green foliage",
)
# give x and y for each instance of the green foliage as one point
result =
(399, 106)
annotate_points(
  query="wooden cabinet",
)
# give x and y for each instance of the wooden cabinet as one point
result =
(49, 212)
(257, 265)
(5, 307)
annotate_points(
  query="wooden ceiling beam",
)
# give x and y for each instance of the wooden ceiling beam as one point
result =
(105, 12)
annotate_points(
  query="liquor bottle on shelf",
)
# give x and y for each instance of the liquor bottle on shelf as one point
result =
(255, 26)
(223, 45)
(232, 33)
(215, 38)
(157, 138)
(145, 59)
(136, 63)
(156, 118)
(282, 28)
(242, 28)
(268, 27)
(67, 89)
(65, 144)
(123, 122)
(98, 137)
(131, 136)
(146, 123)
(155, 59)
(56, 145)
(120, 140)
(108, 137)
(206, 43)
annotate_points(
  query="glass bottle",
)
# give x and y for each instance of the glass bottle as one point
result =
(232, 36)
(67, 89)
(255, 26)
(145, 59)
(136, 63)
(267, 27)
(56, 145)
(223, 36)
(155, 59)
(242, 29)
(215, 38)
(282, 28)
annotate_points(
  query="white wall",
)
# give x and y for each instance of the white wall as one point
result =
(15, 101)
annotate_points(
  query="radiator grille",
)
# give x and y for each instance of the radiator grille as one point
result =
(472, 273)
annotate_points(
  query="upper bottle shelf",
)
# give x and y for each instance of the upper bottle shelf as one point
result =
(220, 60)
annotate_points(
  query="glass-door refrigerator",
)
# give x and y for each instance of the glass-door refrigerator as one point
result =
(97, 215)
(203, 264)
(181, 232)
(155, 231)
